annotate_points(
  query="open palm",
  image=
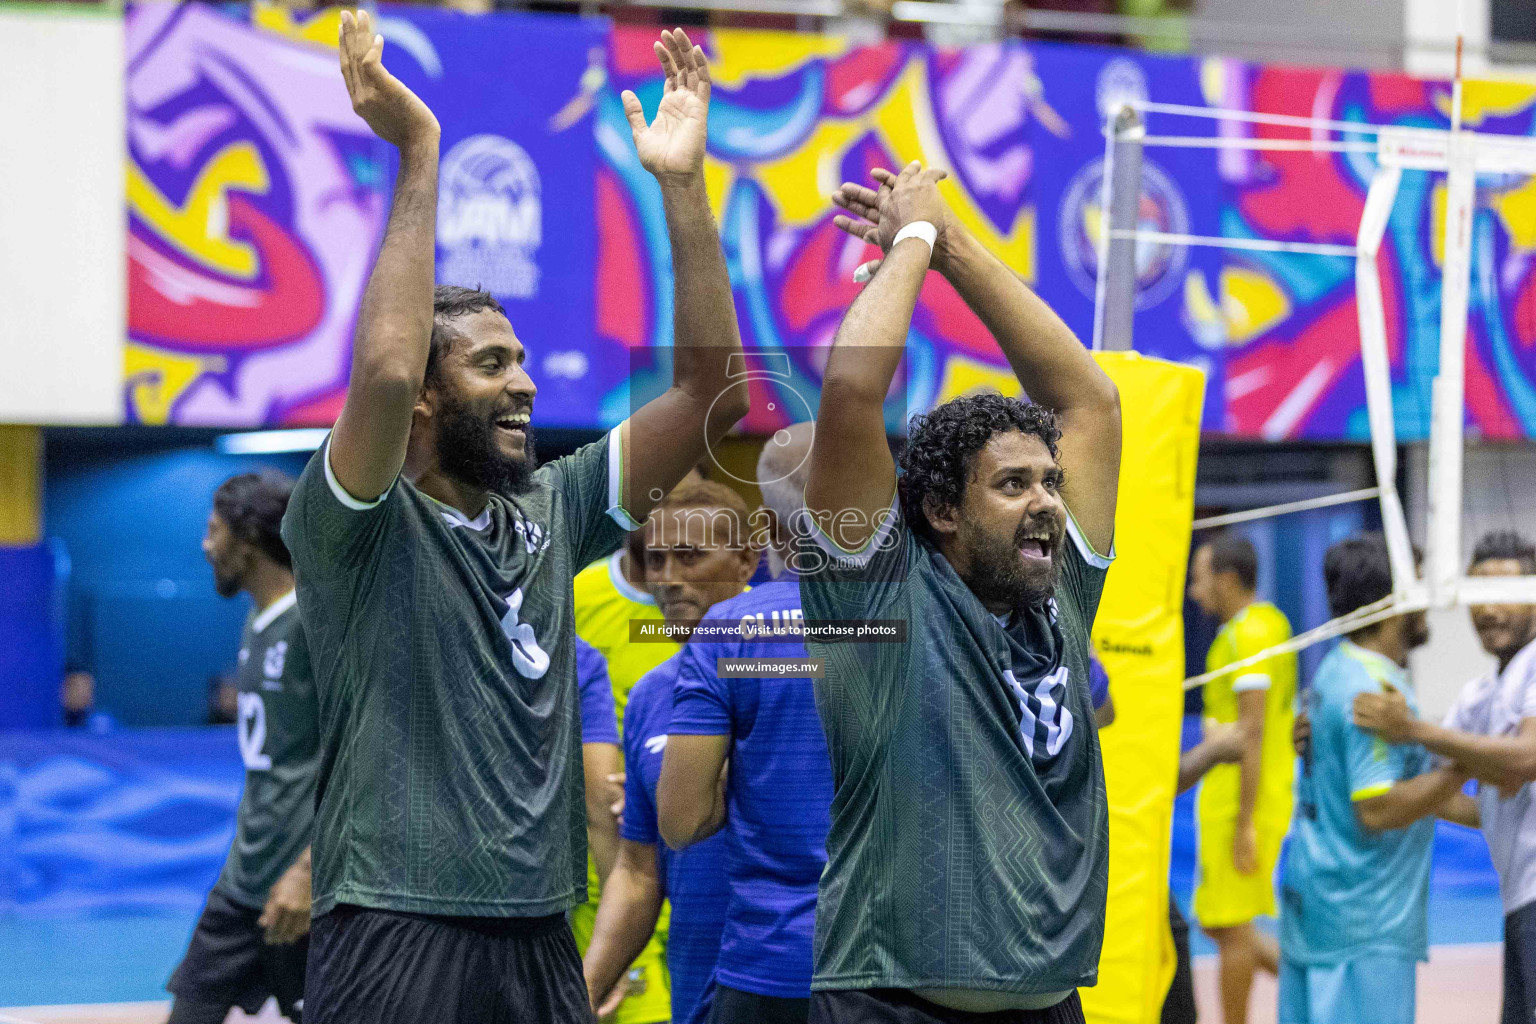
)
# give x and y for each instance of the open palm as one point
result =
(672, 145)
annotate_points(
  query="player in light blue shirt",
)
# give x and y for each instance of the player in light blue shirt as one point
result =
(1356, 881)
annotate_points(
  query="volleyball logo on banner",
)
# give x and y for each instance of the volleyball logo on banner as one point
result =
(490, 217)
(1159, 266)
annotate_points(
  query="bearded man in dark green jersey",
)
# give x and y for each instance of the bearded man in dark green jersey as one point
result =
(434, 568)
(969, 839)
(250, 942)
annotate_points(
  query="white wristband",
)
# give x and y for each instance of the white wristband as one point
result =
(918, 229)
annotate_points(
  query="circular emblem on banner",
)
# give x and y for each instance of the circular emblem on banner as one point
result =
(490, 218)
(1159, 266)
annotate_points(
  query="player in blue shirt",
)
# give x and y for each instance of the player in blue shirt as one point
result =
(777, 804)
(600, 756)
(689, 567)
(1356, 882)
(693, 880)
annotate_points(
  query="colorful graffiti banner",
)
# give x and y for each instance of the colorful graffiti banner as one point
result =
(1293, 365)
(256, 201)
(1018, 128)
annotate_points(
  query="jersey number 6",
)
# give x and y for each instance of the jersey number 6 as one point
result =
(528, 657)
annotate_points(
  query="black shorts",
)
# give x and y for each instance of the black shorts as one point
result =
(384, 967)
(898, 1006)
(1520, 966)
(733, 1006)
(229, 962)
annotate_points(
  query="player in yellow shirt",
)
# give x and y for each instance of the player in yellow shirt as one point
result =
(1243, 809)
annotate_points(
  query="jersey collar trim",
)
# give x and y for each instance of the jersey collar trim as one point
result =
(454, 517)
(1395, 672)
(1521, 665)
(623, 586)
(273, 610)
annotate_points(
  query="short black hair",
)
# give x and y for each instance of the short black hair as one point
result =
(1506, 544)
(942, 445)
(449, 302)
(252, 506)
(1357, 572)
(1234, 553)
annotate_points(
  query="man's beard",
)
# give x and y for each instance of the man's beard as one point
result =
(997, 577)
(226, 586)
(466, 450)
(227, 579)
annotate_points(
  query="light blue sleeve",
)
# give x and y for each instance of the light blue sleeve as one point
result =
(1372, 764)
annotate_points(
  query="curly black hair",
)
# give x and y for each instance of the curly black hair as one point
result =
(252, 506)
(942, 445)
(449, 302)
(1506, 545)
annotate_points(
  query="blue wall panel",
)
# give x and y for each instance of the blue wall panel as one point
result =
(31, 637)
(143, 614)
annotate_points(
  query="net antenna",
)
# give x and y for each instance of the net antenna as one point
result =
(1457, 153)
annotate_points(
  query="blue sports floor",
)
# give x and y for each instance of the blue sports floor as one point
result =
(128, 957)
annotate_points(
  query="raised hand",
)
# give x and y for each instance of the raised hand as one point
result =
(901, 199)
(396, 115)
(672, 145)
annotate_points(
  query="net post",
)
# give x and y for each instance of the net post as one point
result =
(1378, 380)
(1122, 203)
(1448, 400)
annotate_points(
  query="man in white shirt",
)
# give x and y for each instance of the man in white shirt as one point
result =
(1491, 734)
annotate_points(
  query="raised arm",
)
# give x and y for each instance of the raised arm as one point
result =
(394, 323)
(1053, 367)
(1056, 371)
(675, 430)
(851, 470)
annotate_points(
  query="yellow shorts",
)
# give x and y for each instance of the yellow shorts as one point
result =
(1223, 896)
(650, 988)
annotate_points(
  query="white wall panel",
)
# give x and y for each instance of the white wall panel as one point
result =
(62, 210)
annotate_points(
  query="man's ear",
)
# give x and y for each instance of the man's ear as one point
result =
(426, 402)
(944, 519)
(749, 557)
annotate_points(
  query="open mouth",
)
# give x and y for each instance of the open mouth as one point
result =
(515, 423)
(1036, 546)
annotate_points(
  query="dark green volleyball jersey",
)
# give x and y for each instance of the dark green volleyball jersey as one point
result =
(445, 651)
(969, 843)
(278, 729)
